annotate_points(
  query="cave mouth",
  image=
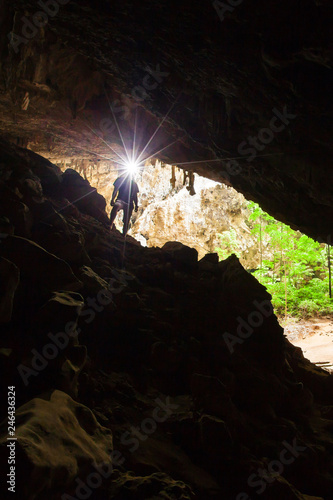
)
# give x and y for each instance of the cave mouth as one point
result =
(96, 342)
(179, 205)
(169, 372)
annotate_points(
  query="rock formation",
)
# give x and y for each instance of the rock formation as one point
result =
(169, 212)
(144, 373)
(241, 95)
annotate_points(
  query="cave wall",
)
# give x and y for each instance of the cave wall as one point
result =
(143, 372)
(226, 79)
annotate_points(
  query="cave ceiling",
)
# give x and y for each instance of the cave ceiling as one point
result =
(238, 91)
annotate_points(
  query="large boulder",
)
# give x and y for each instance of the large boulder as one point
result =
(15, 211)
(59, 441)
(155, 486)
(16, 162)
(181, 253)
(92, 282)
(250, 324)
(37, 265)
(79, 192)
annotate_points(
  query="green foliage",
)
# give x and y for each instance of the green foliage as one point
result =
(229, 244)
(293, 267)
(305, 301)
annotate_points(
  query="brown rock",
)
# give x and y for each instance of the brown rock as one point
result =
(5, 226)
(92, 282)
(39, 266)
(79, 192)
(181, 253)
(9, 280)
(59, 314)
(211, 258)
(215, 436)
(71, 369)
(58, 440)
(211, 395)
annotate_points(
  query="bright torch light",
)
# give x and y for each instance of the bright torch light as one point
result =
(132, 166)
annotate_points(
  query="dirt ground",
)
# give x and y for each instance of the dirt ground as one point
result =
(314, 336)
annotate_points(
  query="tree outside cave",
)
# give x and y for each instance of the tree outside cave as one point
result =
(293, 267)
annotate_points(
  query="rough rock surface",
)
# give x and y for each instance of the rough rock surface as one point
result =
(168, 212)
(58, 440)
(10, 277)
(184, 364)
(24, 252)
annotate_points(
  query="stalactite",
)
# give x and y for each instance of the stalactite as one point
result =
(173, 177)
(190, 187)
(188, 174)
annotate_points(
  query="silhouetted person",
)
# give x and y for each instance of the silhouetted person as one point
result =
(127, 199)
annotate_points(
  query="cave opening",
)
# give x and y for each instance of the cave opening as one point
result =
(178, 205)
(154, 366)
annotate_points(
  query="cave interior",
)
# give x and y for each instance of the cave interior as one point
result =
(148, 373)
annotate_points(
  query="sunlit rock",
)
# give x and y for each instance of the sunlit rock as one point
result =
(58, 442)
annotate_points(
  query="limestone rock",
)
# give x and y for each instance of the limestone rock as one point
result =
(5, 226)
(52, 354)
(280, 488)
(160, 455)
(58, 440)
(209, 263)
(48, 173)
(30, 186)
(71, 368)
(92, 282)
(162, 347)
(68, 246)
(210, 394)
(9, 280)
(165, 359)
(211, 258)
(59, 314)
(156, 485)
(39, 266)
(15, 210)
(215, 437)
(181, 253)
(78, 191)
(252, 311)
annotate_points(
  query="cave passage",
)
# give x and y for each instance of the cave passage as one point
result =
(177, 205)
(162, 365)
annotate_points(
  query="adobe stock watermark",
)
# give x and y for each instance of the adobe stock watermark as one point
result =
(266, 135)
(275, 468)
(148, 426)
(246, 327)
(152, 79)
(30, 27)
(59, 341)
(223, 7)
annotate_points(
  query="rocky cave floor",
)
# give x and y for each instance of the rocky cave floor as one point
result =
(145, 355)
(314, 336)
